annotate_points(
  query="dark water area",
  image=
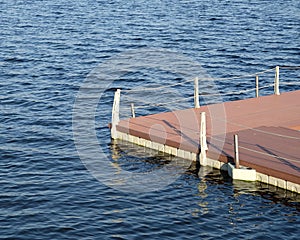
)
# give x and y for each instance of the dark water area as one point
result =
(47, 50)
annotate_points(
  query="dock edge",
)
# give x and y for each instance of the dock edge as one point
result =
(260, 177)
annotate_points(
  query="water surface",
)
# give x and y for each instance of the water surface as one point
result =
(47, 48)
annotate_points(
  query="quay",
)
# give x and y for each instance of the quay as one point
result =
(255, 139)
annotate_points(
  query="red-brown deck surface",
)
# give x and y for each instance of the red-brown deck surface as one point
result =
(268, 129)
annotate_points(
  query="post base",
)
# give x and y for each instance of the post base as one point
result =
(242, 173)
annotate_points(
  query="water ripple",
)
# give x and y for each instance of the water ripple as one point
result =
(48, 48)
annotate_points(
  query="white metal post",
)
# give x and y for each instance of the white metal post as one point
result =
(132, 110)
(276, 81)
(203, 142)
(196, 93)
(256, 84)
(115, 116)
(236, 151)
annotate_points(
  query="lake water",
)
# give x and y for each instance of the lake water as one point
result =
(47, 51)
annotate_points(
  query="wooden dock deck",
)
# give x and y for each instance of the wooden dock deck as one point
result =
(267, 127)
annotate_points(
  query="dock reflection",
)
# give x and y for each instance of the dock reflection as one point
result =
(134, 158)
(128, 156)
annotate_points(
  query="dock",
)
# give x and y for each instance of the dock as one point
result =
(255, 139)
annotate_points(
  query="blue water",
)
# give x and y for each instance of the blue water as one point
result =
(48, 48)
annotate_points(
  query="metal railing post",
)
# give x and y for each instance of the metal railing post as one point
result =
(115, 115)
(196, 93)
(276, 81)
(203, 142)
(256, 84)
(132, 110)
(236, 151)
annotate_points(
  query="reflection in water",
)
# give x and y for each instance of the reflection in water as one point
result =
(115, 154)
(115, 150)
(269, 192)
(135, 158)
(203, 204)
(202, 186)
(136, 166)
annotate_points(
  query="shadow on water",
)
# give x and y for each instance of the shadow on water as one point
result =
(136, 158)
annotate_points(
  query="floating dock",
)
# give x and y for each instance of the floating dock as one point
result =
(256, 139)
